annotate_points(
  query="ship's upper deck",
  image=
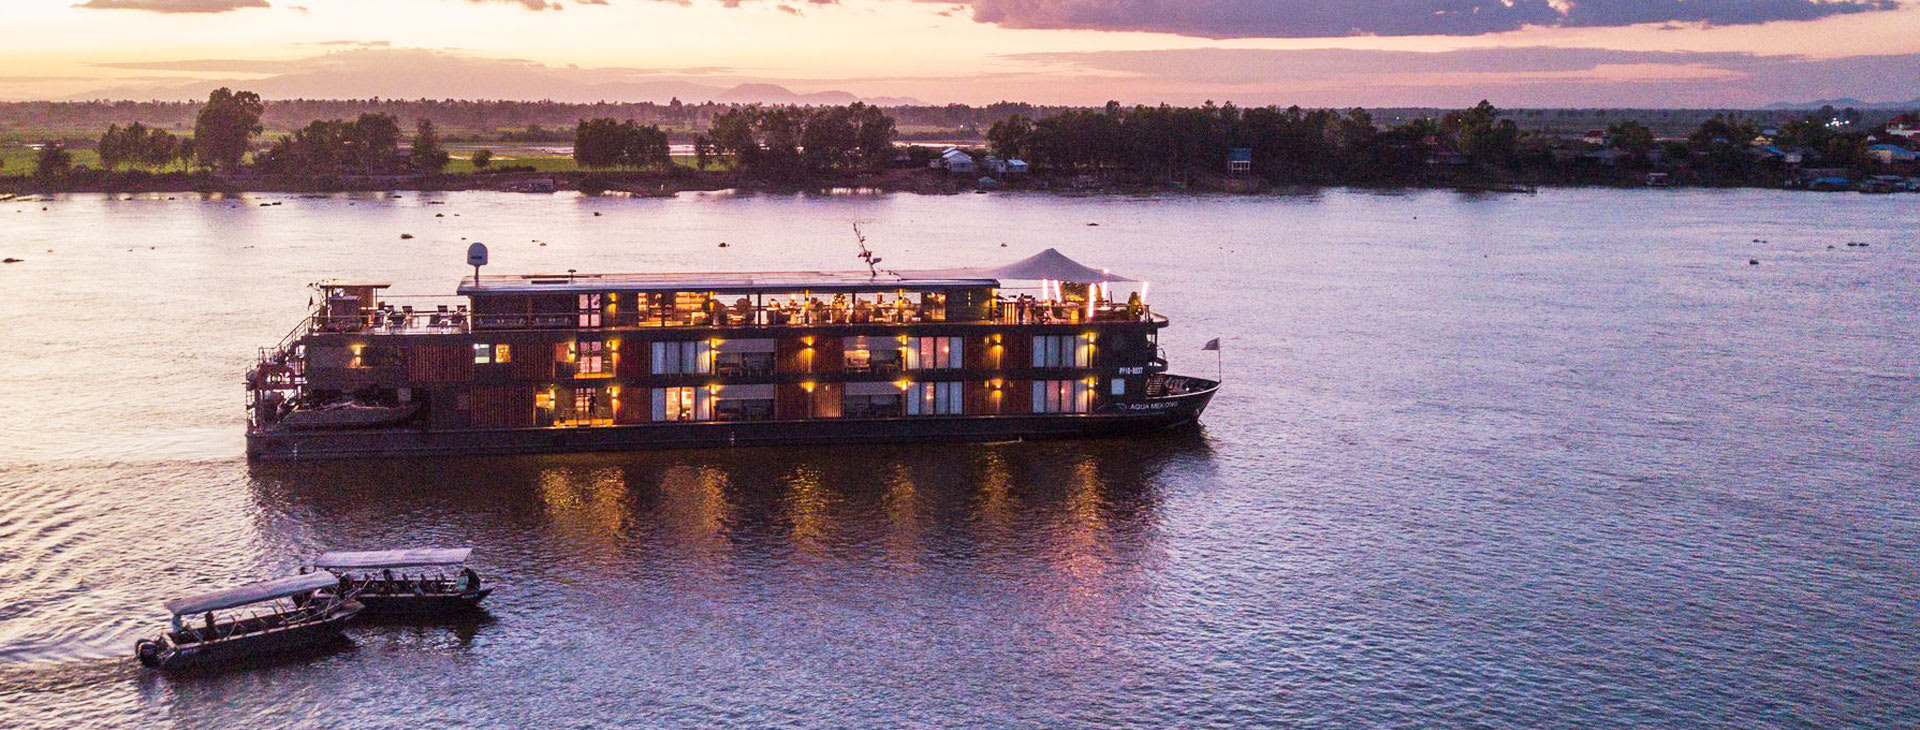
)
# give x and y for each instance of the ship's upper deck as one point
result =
(724, 282)
(1051, 289)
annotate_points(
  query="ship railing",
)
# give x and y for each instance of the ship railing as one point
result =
(1016, 311)
(398, 318)
(392, 318)
(278, 363)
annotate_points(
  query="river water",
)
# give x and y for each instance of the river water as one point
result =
(1564, 460)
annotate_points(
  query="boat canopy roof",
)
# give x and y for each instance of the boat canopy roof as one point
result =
(352, 284)
(249, 593)
(394, 558)
(1049, 264)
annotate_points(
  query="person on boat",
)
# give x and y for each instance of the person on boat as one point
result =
(469, 580)
(1134, 306)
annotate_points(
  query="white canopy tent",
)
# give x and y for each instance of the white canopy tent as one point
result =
(249, 593)
(1050, 265)
(393, 558)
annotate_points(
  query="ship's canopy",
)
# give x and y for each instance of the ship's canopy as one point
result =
(393, 558)
(1050, 265)
(249, 593)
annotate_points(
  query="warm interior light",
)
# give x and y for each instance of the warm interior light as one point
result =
(807, 386)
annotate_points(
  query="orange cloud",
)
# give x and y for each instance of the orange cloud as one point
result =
(174, 6)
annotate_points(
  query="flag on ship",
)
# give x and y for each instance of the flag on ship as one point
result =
(1213, 344)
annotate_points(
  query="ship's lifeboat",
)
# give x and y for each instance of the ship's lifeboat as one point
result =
(348, 414)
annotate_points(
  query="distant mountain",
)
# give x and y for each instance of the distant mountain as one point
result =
(1843, 103)
(777, 94)
(421, 74)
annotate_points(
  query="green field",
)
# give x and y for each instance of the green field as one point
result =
(17, 160)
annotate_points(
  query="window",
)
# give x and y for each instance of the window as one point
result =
(1062, 396)
(744, 363)
(682, 358)
(933, 353)
(870, 406)
(744, 357)
(589, 310)
(1119, 386)
(934, 399)
(871, 400)
(682, 404)
(743, 403)
(1062, 351)
(592, 357)
(587, 406)
(872, 354)
(375, 356)
(485, 354)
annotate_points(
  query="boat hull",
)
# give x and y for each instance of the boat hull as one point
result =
(429, 604)
(264, 644)
(1122, 419)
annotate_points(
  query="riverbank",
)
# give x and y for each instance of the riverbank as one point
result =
(910, 180)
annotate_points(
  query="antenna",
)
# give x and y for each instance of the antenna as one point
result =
(477, 257)
(873, 262)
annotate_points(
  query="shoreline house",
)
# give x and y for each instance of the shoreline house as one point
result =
(1889, 154)
(957, 162)
(1239, 161)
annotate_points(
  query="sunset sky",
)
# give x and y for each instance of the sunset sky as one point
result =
(1313, 52)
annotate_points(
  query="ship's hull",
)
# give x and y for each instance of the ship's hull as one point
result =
(253, 646)
(1124, 419)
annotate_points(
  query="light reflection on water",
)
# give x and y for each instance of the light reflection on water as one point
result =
(1561, 460)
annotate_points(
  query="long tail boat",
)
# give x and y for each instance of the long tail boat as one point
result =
(249, 621)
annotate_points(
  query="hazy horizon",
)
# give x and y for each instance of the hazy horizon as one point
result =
(1395, 53)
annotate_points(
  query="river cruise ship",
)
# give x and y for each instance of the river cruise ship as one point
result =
(1041, 348)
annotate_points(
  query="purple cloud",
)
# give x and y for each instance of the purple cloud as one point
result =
(1339, 18)
(1519, 76)
(173, 6)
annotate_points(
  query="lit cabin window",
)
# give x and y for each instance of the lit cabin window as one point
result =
(682, 404)
(871, 354)
(483, 353)
(933, 353)
(1062, 396)
(593, 356)
(589, 310)
(502, 354)
(1062, 351)
(934, 399)
(682, 358)
(1119, 386)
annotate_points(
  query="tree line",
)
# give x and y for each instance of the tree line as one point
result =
(783, 143)
(367, 145)
(789, 143)
(1291, 145)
